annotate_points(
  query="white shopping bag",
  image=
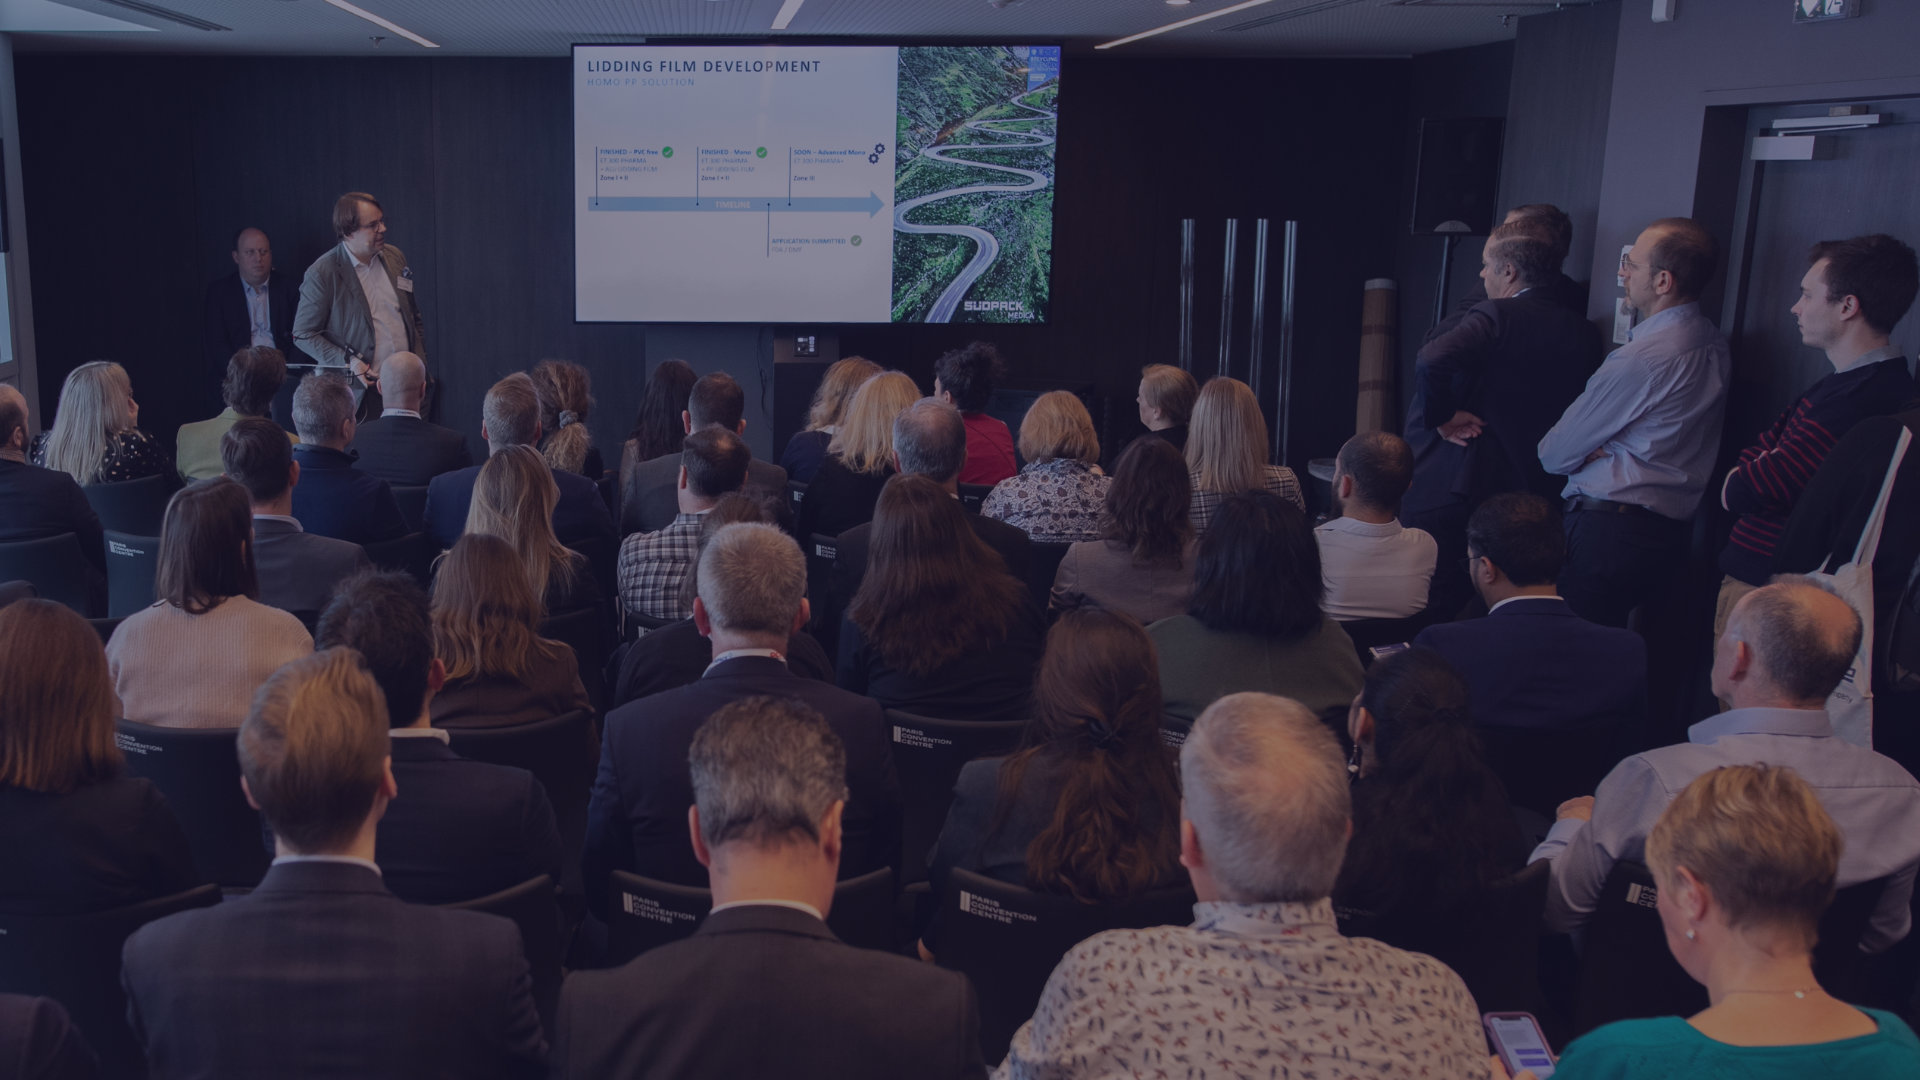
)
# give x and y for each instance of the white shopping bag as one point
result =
(1850, 707)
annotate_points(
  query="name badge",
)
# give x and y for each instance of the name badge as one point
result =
(405, 284)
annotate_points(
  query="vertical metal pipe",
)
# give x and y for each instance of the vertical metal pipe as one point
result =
(1186, 293)
(1289, 252)
(1256, 345)
(1226, 298)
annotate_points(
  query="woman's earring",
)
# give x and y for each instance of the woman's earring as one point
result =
(1353, 761)
(1689, 935)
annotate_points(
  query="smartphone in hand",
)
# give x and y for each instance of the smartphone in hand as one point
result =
(1516, 1037)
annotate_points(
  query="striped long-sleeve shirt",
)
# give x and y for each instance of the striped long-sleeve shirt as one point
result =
(1766, 483)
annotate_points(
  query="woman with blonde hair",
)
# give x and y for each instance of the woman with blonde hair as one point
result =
(96, 437)
(486, 631)
(808, 448)
(513, 499)
(1059, 493)
(565, 392)
(859, 458)
(1227, 451)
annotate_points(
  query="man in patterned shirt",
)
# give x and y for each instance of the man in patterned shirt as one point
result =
(653, 565)
(1262, 983)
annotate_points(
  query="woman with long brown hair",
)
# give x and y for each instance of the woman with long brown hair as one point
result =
(565, 391)
(513, 499)
(486, 631)
(76, 833)
(658, 430)
(808, 448)
(938, 628)
(1143, 563)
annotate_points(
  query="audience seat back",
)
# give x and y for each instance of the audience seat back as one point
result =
(646, 914)
(928, 755)
(562, 753)
(132, 563)
(198, 770)
(59, 570)
(413, 503)
(412, 554)
(973, 496)
(1040, 572)
(131, 506)
(75, 960)
(1542, 768)
(1369, 634)
(585, 631)
(821, 551)
(1007, 940)
(15, 590)
(796, 494)
(534, 908)
(105, 628)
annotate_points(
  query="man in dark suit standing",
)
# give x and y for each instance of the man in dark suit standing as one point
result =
(650, 501)
(321, 970)
(763, 988)
(297, 569)
(43, 502)
(337, 499)
(400, 446)
(1552, 225)
(251, 306)
(751, 597)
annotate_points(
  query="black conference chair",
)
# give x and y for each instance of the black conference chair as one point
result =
(646, 914)
(973, 495)
(75, 960)
(413, 553)
(1041, 571)
(1369, 634)
(821, 551)
(132, 563)
(105, 628)
(59, 570)
(796, 494)
(533, 906)
(928, 755)
(585, 631)
(603, 558)
(1007, 940)
(198, 770)
(15, 590)
(413, 503)
(131, 506)
(563, 754)
(1543, 768)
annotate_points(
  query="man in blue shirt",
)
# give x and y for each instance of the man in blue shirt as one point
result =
(1638, 445)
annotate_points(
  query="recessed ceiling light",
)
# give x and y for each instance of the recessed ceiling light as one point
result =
(378, 21)
(1178, 3)
(1186, 22)
(787, 11)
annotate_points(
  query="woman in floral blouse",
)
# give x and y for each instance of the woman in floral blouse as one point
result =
(1059, 493)
(96, 437)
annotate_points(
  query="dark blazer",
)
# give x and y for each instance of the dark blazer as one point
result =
(45, 502)
(299, 569)
(1565, 291)
(580, 515)
(803, 455)
(850, 562)
(838, 499)
(408, 451)
(39, 1042)
(637, 819)
(552, 688)
(333, 498)
(462, 829)
(763, 992)
(101, 846)
(676, 654)
(226, 328)
(320, 971)
(651, 501)
(1535, 664)
(994, 684)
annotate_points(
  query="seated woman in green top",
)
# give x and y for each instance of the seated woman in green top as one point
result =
(1745, 860)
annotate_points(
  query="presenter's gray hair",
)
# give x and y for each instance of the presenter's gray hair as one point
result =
(765, 771)
(511, 412)
(1266, 791)
(752, 579)
(931, 439)
(321, 404)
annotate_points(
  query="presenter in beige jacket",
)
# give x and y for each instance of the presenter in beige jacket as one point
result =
(357, 304)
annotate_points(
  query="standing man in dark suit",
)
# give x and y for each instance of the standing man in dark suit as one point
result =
(1485, 393)
(321, 971)
(650, 502)
(43, 502)
(337, 499)
(297, 569)
(357, 305)
(751, 597)
(763, 988)
(253, 306)
(400, 446)
(1556, 228)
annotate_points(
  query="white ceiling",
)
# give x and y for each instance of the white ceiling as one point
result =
(548, 27)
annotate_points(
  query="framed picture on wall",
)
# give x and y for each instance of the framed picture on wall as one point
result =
(1822, 10)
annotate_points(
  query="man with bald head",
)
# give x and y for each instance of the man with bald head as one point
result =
(253, 306)
(400, 446)
(1373, 567)
(42, 502)
(1786, 646)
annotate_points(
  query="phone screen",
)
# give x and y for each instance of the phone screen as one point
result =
(1517, 1037)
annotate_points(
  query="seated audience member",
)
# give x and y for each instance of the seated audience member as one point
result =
(38, 1041)
(42, 502)
(717, 403)
(1263, 829)
(1057, 496)
(1143, 563)
(465, 829)
(297, 570)
(513, 499)
(194, 658)
(1432, 828)
(1850, 300)
(1166, 401)
(1746, 859)
(96, 438)
(752, 586)
(400, 446)
(76, 833)
(807, 449)
(938, 628)
(335, 498)
(253, 377)
(1255, 622)
(1374, 568)
(1227, 451)
(678, 653)
(859, 459)
(657, 430)
(1530, 662)
(763, 988)
(965, 378)
(654, 565)
(565, 391)
(510, 416)
(1089, 805)
(486, 633)
(322, 971)
(1784, 650)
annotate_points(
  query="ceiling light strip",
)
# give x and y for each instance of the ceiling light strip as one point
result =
(378, 21)
(1283, 16)
(1183, 23)
(165, 13)
(787, 11)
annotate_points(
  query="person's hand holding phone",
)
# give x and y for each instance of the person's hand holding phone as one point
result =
(1498, 1070)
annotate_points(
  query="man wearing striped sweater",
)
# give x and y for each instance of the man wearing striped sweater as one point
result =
(1850, 299)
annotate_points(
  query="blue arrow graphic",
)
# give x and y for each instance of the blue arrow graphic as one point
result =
(868, 204)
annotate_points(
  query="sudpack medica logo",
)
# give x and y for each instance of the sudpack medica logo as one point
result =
(1013, 309)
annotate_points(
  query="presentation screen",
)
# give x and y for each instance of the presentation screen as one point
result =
(799, 184)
